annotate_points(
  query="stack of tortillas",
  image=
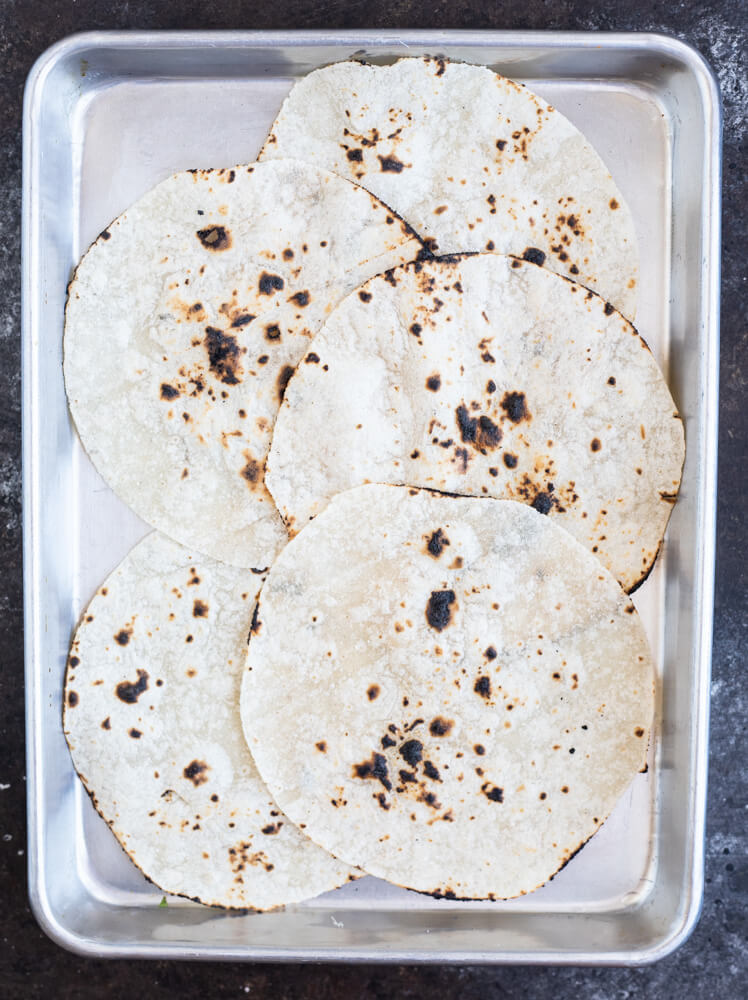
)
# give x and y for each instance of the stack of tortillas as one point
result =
(420, 485)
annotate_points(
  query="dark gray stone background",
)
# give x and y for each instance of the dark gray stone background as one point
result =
(713, 963)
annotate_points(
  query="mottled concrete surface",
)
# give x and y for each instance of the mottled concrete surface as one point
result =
(713, 963)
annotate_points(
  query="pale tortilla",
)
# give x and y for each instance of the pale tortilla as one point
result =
(152, 719)
(183, 323)
(490, 376)
(471, 160)
(450, 693)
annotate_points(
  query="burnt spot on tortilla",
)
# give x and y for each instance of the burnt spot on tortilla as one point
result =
(256, 625)
(436, 543)
(608, 309)
(215, 238)
(123, 636)
(387, 741)
(107, 723)
(241, 320)
(375, 767)
(73, 698)
(534, 255)
(501, 145)
(489, 434)
(612, 380)
(168, 391)
(105, 234)
(431, 771)
(439, 609)
(223, 355)
(468, 425)
(195, 772)
(430, 799)
(516, 263)
(411, 751)
(283, 380)
(629, 609)
(365, 296)
(573, 854)
(130, 691)
(510, 461)
(74, 661)
(355, 155)
(269, 283)
(482, 687)
(272, 828)
(490, 386)
(595, 444)
(514, 405)
(415, 329)
(613, 204)
(311, 358)
(288, 254)
(668, 497)
(199, 609)
(639, 732)
(479, 749)
(492, 792)
(272, 332)
(252, 471)
(542, 502)
(434, 382)
(134, 734)
(440, 726)
(406, 776)
(390, 164)
(373, 692)
(301, 299)
(321, 746)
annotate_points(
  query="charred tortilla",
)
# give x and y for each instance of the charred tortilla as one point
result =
(487, 375)
(450, 693)
(472, 160)
(183, 324)
(151, 715)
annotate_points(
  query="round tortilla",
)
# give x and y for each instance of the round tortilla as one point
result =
(151, 716)
(183, 323)
(472, 160)
(450, 693)
(487, 375)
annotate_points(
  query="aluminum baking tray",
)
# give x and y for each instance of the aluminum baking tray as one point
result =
(107, 116)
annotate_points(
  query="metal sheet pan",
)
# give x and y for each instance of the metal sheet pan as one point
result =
(107, 116)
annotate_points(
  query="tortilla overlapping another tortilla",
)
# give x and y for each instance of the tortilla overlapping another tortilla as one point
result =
(450, 693)
(152, 719)
(471, 160)
(486, 375)
(183, 323)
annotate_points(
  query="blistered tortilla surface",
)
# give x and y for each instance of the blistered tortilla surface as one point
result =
(490, 376)
(152, 720)
(472, 160)
(449, 692)
(183, 323)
